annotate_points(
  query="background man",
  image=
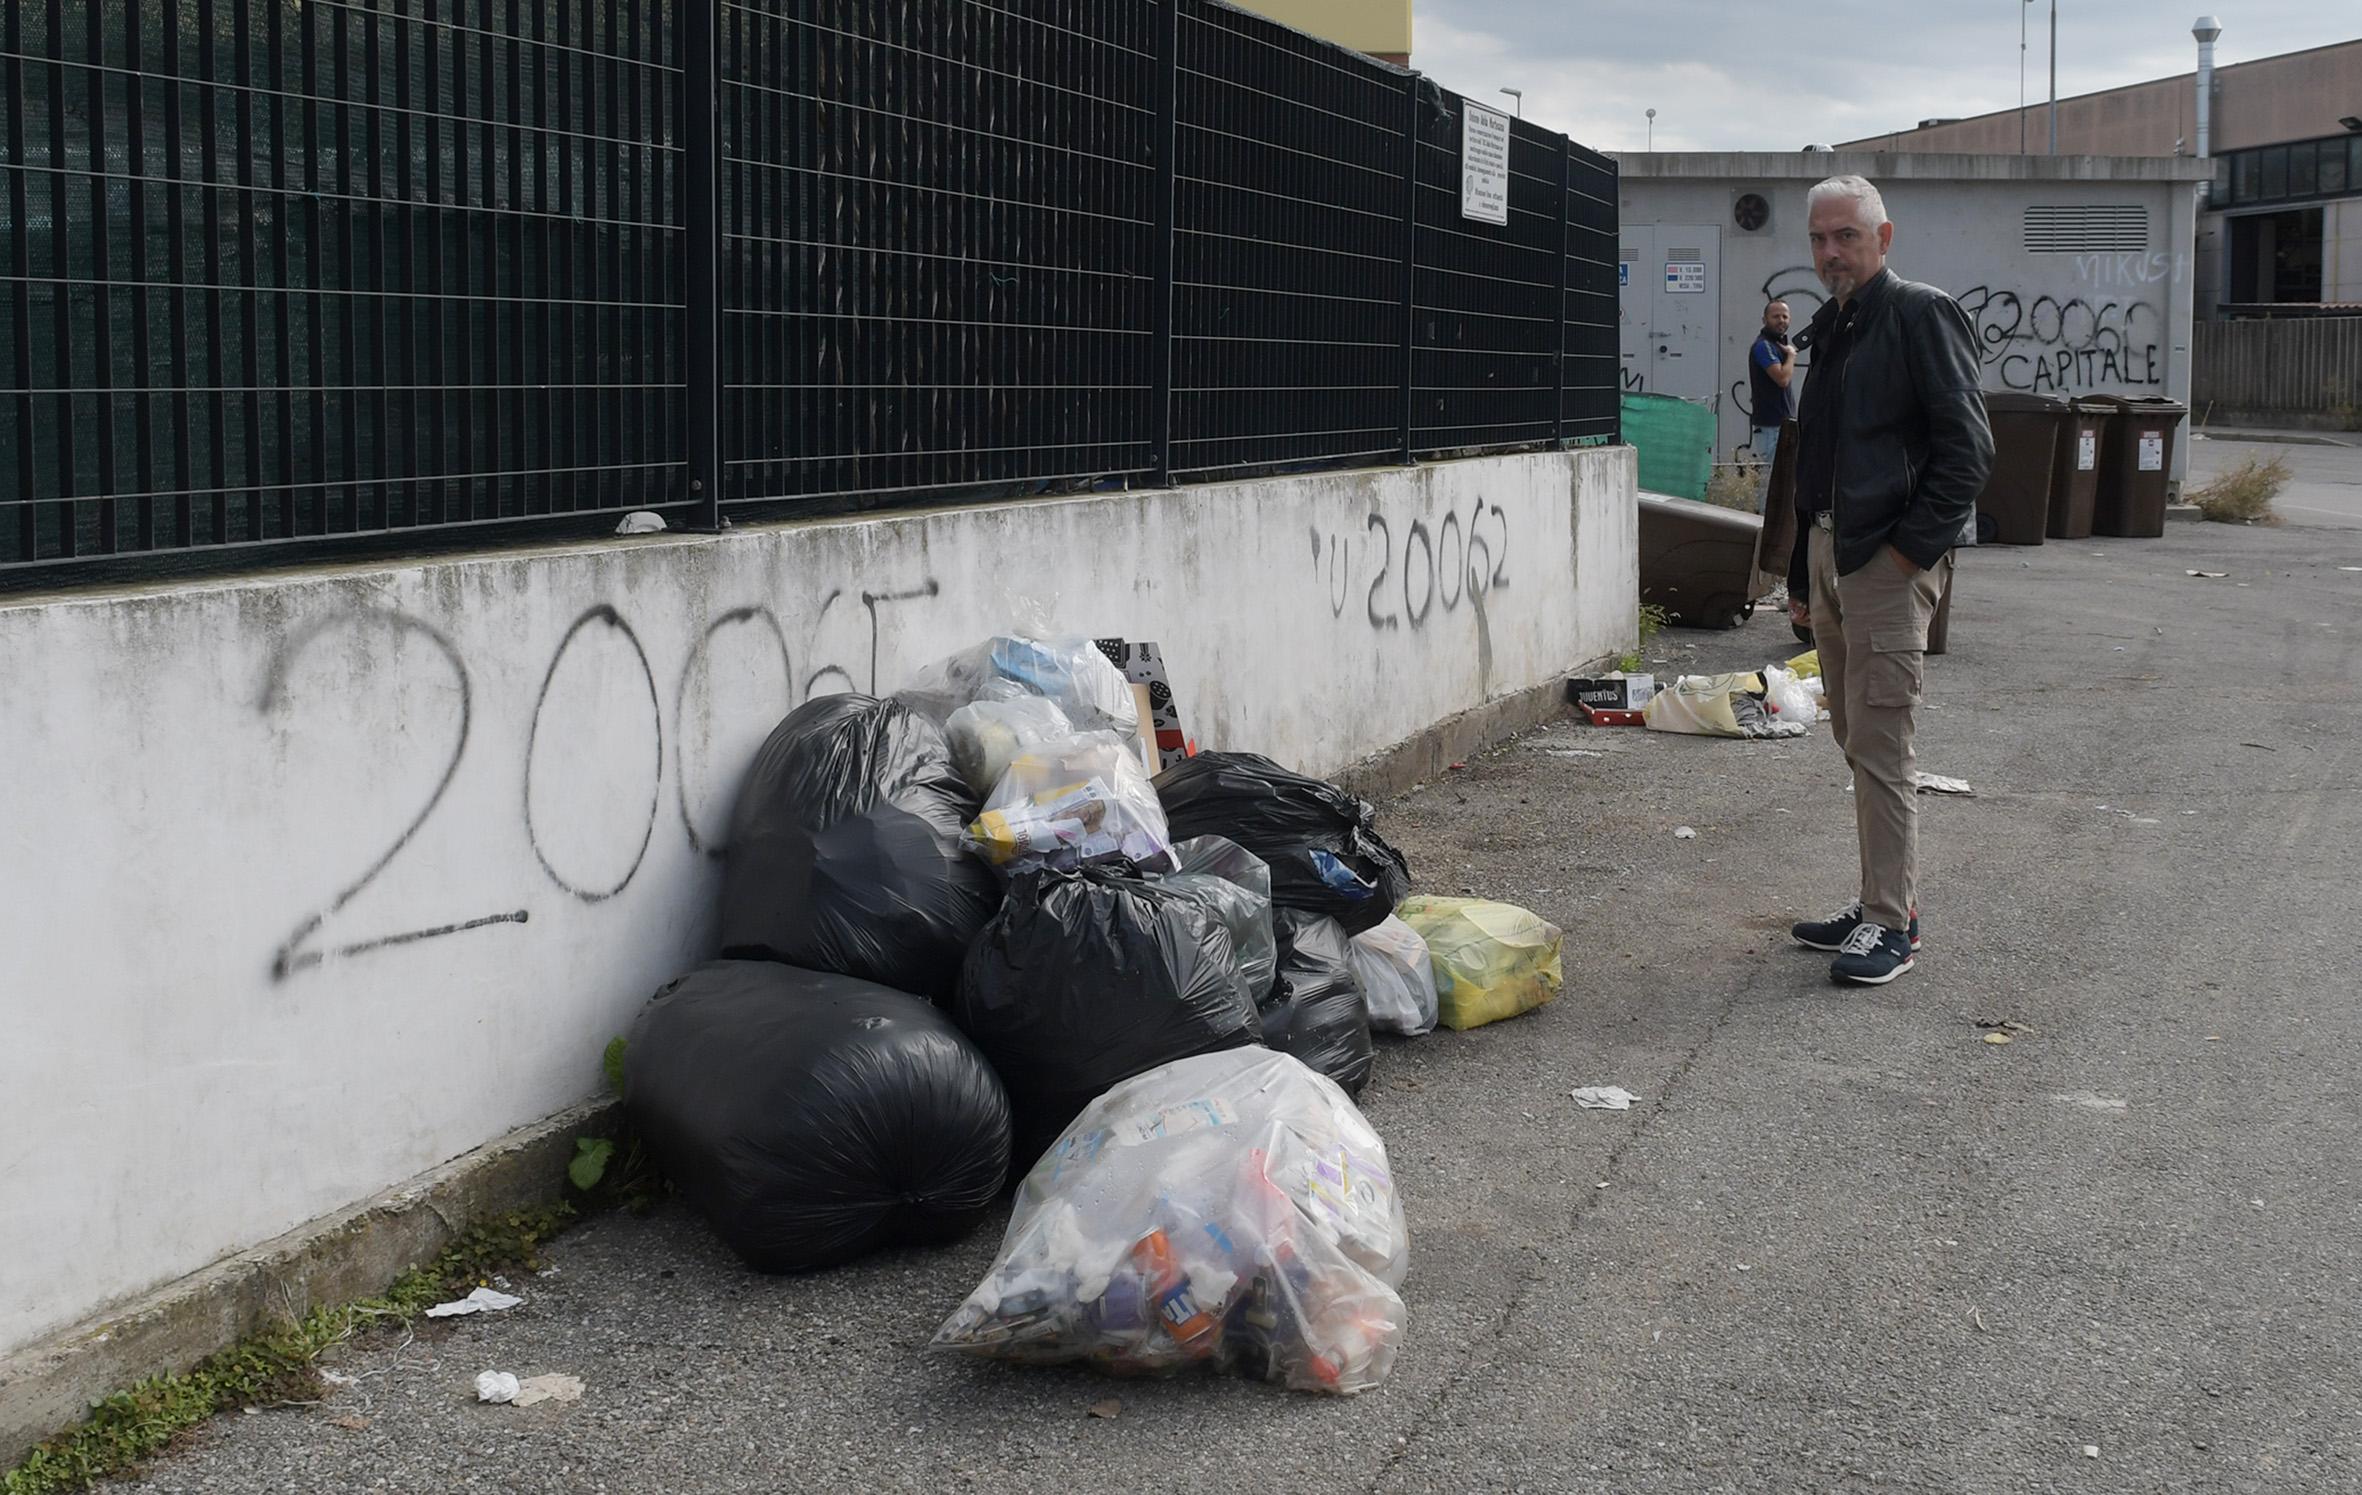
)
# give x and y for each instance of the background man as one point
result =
(1771, 373)
(1894, 449)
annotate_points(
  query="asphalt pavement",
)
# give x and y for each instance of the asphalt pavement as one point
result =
(1843, 1241)
(2325, 472)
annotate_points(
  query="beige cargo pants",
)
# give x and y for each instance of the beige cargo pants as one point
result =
(1871, 630)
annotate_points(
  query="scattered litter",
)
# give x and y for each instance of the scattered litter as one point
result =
(1936, 783)
(2350, 568)
(2091, 1450)
(551, 1388)
(2259, 747)
(482, 1300)
(350, 1423)
(1559, 752)
(1108, 1408)
(496, 1386)
(1604, 1098)
(2119, 648)
(641, 523)
(1777, 811)
(1997, 1039)
(1978, 1319)
(1744, 1267)
(2090, 1102)
(2129, 815)
(1684, 833)
(2211, 575)
(339, 1378)
(2214, 1038)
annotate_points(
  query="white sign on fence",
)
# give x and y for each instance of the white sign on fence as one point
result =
(1484, 164)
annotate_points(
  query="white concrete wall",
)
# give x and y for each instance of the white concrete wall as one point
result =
(313, 881)
(2054, 324)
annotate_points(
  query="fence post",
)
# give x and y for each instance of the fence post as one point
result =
(1566, 189)
(1168, 94)
(1408, 314)
(701, 165)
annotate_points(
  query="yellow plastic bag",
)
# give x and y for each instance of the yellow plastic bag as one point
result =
(1806, 666)
(1701, 705)
(1492, 960)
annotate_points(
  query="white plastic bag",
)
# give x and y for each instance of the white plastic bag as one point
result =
(1070, 671)
(1234, 885)
(1232, 1211)
(986, 735)
(1789, 699)
(1070, 803)
(1397, 976)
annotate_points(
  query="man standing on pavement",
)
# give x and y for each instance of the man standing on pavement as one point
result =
(1893, 451)
(1771, 375)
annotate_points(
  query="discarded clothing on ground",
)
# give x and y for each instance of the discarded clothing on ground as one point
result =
(1316, 1010)
(1085, 979)
(813, 1117)
(845, 850)
(1232, 1212)
(1492, 960)
(1321, 843)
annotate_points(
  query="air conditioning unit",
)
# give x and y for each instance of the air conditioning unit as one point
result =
(1751, 212)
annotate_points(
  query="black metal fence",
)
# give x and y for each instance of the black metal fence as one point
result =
(288, 270)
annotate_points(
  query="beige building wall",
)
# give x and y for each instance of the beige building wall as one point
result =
(2295, 96)
(2341, 251)
(1381, 28)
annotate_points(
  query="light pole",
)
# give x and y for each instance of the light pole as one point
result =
(1652, 129)
(2054, 77)
(1517, 95)
(2022, 75)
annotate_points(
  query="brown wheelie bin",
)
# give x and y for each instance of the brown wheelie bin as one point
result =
(2075, 475)
(2014, 509)
(2136, 467)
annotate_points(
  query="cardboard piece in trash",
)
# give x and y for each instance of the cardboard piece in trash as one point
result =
(1150, 758)
(1144, 664)
(1617, 692)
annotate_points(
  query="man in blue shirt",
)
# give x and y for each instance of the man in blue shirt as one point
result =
(1771, 373)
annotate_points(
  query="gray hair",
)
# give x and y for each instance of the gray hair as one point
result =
(1853, 189)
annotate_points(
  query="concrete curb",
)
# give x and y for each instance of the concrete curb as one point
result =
(355, 1253)
(2174, 512)
(1429, 756)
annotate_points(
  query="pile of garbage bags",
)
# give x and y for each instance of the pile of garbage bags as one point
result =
(1233, 1211)
(966, 933)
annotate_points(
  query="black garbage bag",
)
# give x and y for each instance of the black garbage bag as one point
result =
(1085, 979)
(1317, 1010)
(845, 849)
(812, 1117)
(1325, 854)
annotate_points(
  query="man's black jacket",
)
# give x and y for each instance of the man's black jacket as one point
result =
(1912, 446)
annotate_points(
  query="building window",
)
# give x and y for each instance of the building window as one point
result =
(2304, 178)
(2221, 192)
(2334, 176)
(2251, 176)
(2275, 172)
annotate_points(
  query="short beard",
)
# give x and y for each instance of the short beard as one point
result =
(1840, 286)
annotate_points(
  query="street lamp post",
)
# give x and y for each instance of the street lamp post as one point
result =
(1517, 96)
(2022, 75)
(2054, 77)
(1652, 129)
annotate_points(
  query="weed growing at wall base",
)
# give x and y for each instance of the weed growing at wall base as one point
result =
(1652, 622)
(278, 1368)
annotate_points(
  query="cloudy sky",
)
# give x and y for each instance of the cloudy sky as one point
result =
(1734, 75)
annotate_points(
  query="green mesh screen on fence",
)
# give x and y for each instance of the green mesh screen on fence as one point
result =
(1676, 442)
